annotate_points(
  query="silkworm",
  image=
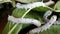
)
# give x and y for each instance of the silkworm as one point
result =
(24, 20)
(31, 5)
(45, 16)
(35, 4)
(44, 27)
(48, 13)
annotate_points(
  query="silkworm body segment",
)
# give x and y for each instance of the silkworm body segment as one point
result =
(24, 20)
(31, 5)
(45, 16)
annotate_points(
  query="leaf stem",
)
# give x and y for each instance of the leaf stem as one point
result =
(51, 8)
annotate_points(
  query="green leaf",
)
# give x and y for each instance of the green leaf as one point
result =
(3, 1)
(18, 13)
(17, 29)
(7, 27)
(28, 1)
(41, 9)
(57, 5)
(55, 29)
(57, 11)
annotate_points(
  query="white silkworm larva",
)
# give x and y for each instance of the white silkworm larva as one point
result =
(35, 4)
(26, 6)
(44, 27)
(24, 20)
(48, 13)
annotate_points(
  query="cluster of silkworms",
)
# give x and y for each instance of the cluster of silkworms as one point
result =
(34, 21)
(47, 25)
(44, 27)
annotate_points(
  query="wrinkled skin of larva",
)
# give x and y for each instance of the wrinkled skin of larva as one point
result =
(31, 5)
(24, 21)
